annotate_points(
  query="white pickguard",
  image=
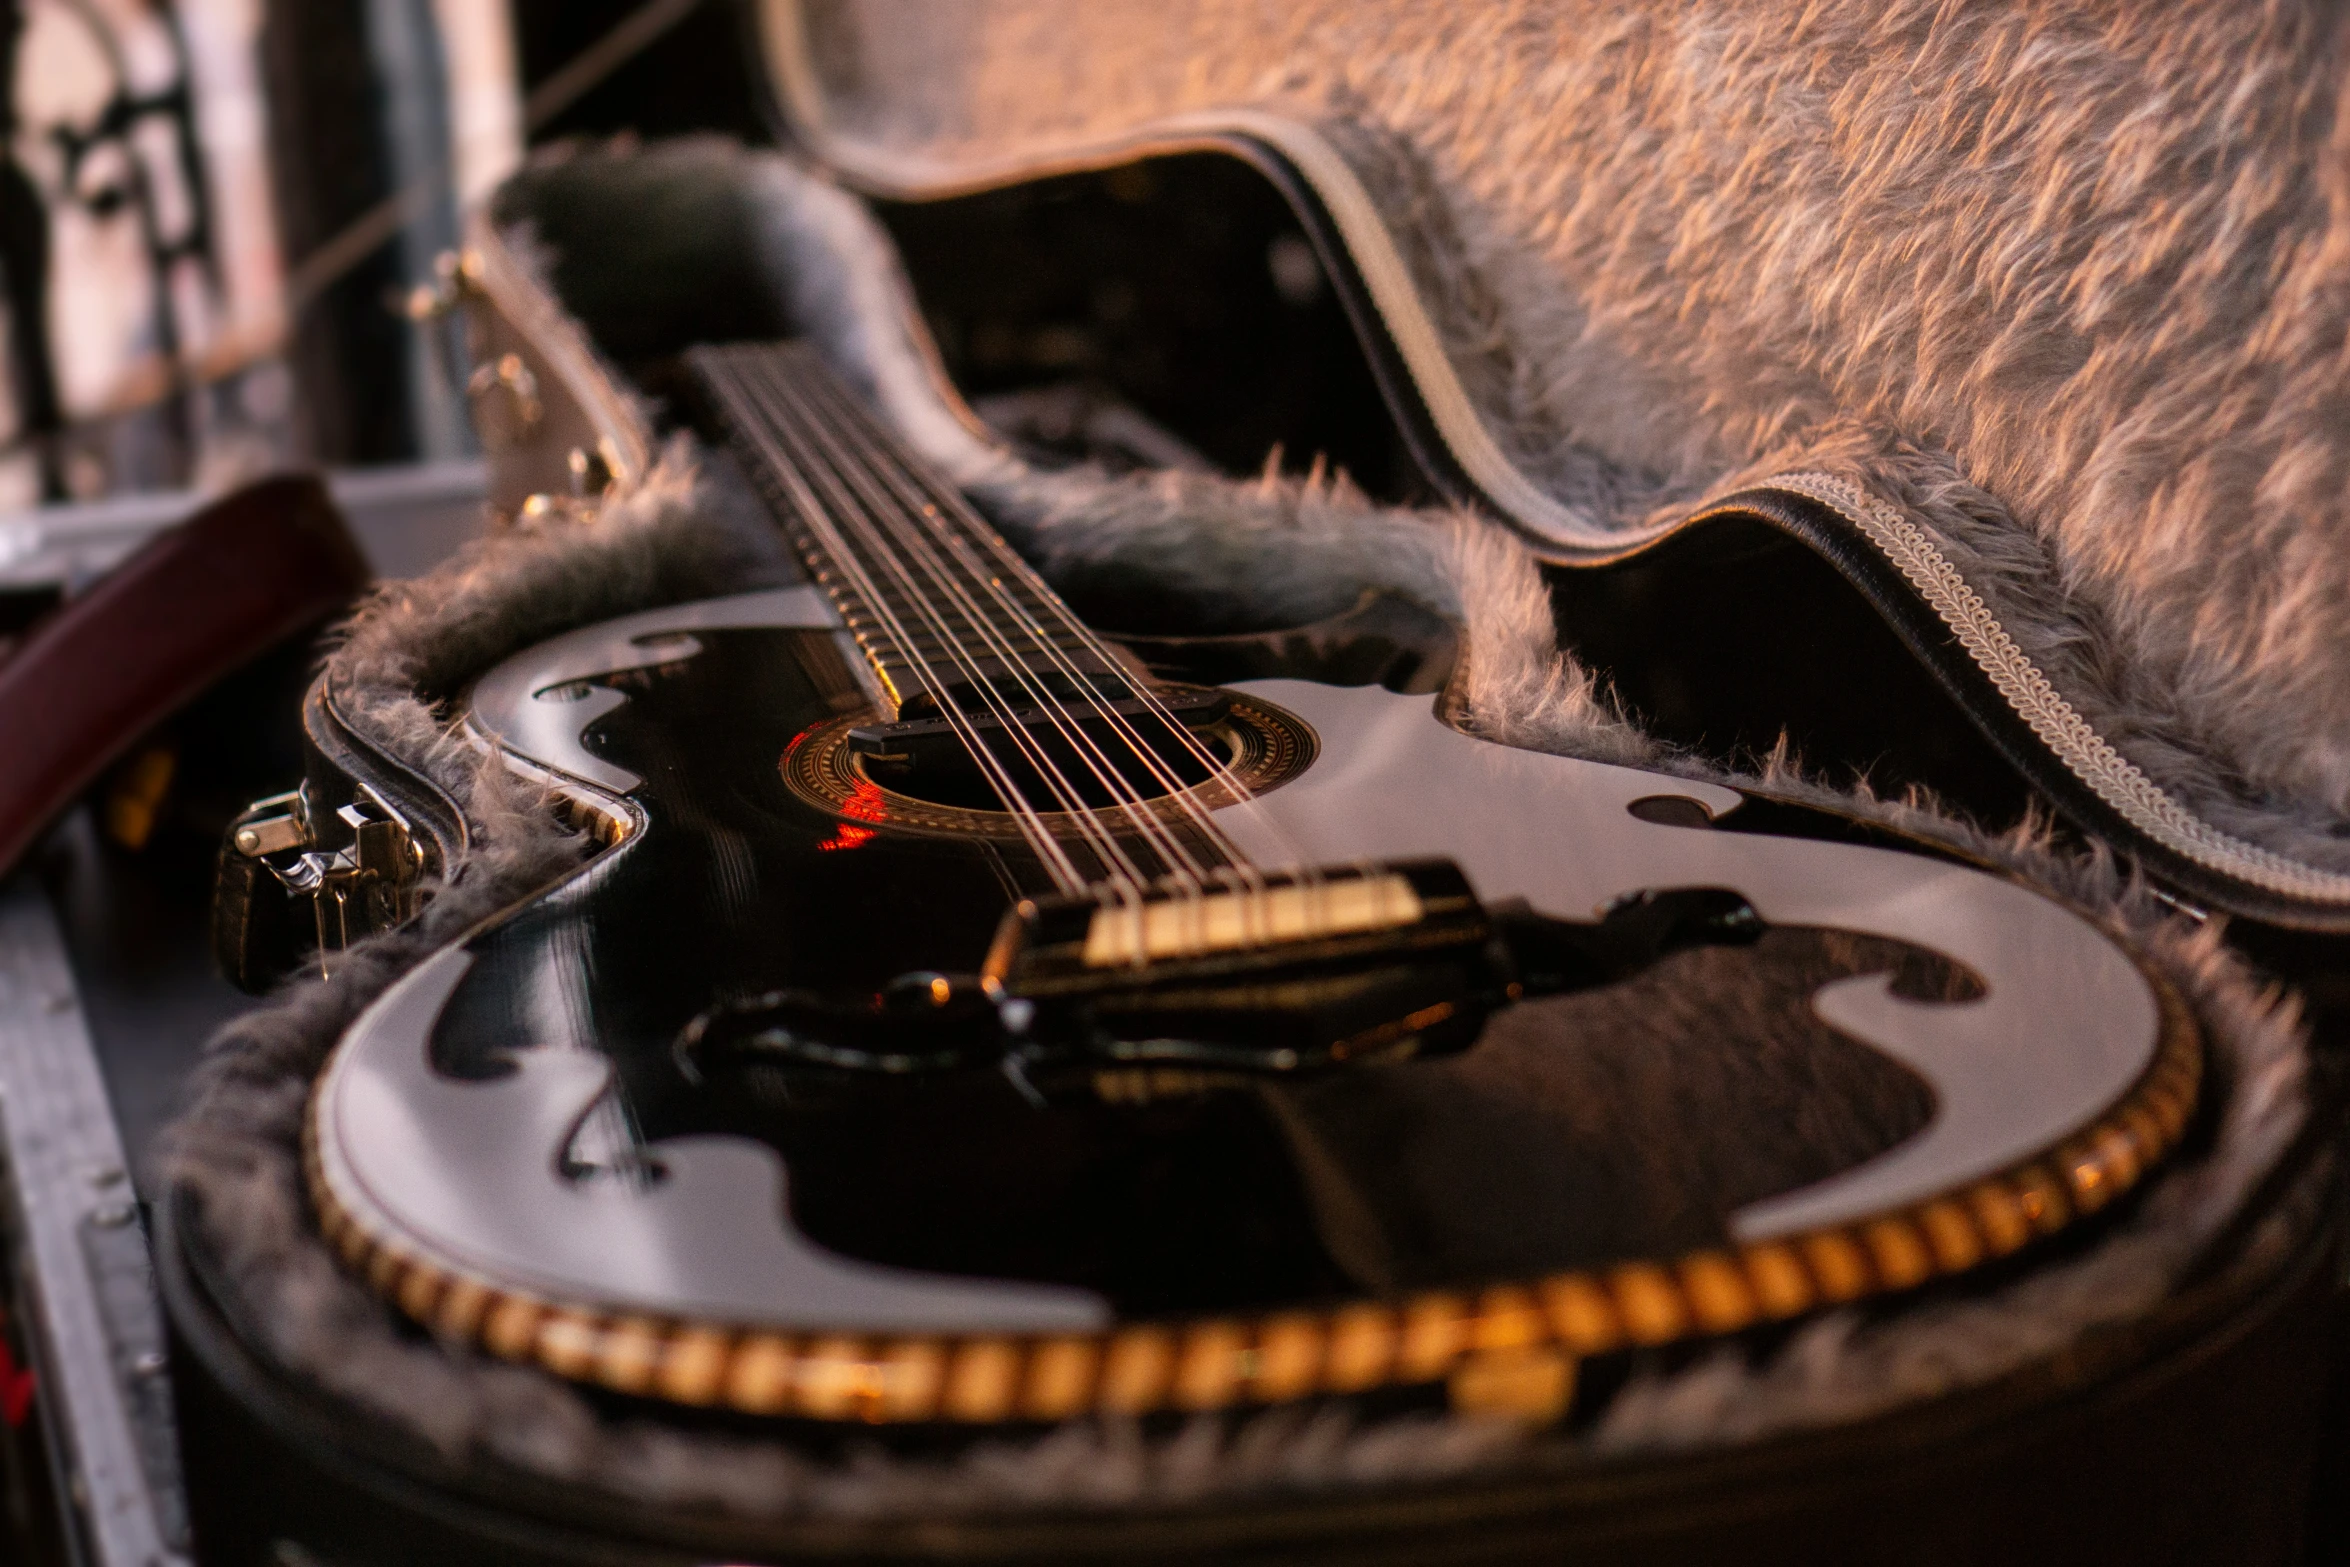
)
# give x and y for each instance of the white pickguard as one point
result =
(2065, 1026)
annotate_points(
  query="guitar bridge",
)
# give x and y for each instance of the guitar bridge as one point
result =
(1050, 946)
(1292, 973)
(1279, 973)
(1162, 929)
(1317, 969)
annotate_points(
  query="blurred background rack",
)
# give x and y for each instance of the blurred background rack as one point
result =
(215, 220)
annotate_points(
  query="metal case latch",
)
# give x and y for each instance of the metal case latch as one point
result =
(294, 878)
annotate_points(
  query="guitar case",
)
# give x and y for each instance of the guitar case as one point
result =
(1765, 400)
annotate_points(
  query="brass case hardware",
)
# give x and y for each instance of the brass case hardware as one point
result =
(506, 404)
(293, 877)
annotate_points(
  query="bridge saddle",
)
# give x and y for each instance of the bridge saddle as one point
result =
(1368, 963)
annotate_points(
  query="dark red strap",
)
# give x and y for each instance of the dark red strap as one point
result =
(192, 605)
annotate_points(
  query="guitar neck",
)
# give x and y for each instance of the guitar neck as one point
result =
(937, 601)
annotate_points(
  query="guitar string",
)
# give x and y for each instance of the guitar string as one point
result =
(1009, 561)
(849, 430)
(1239, 873)
(859, 470)
(724, 377)
(901, 564)
(1180, 867)
(902, 561)
(925, 514)
(820, 523)
(944, 667)
(1118, 867)
(1125, 879)
(1306, 873)
(903, 517)
(942, 498)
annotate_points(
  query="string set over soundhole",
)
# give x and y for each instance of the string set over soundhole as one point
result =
(1099, 775)
(916, 775)
(1096, 718)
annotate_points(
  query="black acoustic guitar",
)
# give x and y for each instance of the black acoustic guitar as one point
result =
(964, 1024)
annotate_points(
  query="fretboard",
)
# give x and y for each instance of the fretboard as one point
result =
(934, 597)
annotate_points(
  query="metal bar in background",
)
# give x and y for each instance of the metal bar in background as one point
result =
(412, 70)
(406, 518)
(83, 1272)
(335, 256)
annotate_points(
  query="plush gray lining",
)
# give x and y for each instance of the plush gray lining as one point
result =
(1283, 548)
(2065, 281)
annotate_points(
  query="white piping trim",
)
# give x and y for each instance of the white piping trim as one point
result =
(783, 38)
(2088, 755)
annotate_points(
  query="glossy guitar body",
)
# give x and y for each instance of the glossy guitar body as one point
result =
(511, 1142)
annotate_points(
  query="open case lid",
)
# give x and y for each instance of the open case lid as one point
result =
(2061, 671)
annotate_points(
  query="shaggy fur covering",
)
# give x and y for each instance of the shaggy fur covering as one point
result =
(1284, 549)
(2063, 279)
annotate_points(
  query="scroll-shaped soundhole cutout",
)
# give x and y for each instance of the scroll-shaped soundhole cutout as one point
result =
(1626, 1121)
(1671, 810)
(1616, 1123)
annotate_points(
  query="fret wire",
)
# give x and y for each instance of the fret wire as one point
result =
(724, 376)
(1126, 877)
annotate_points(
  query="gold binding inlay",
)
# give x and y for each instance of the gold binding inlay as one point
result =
(1510, 1349)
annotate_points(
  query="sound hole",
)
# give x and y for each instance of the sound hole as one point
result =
(844, 768)
(1091, 761)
